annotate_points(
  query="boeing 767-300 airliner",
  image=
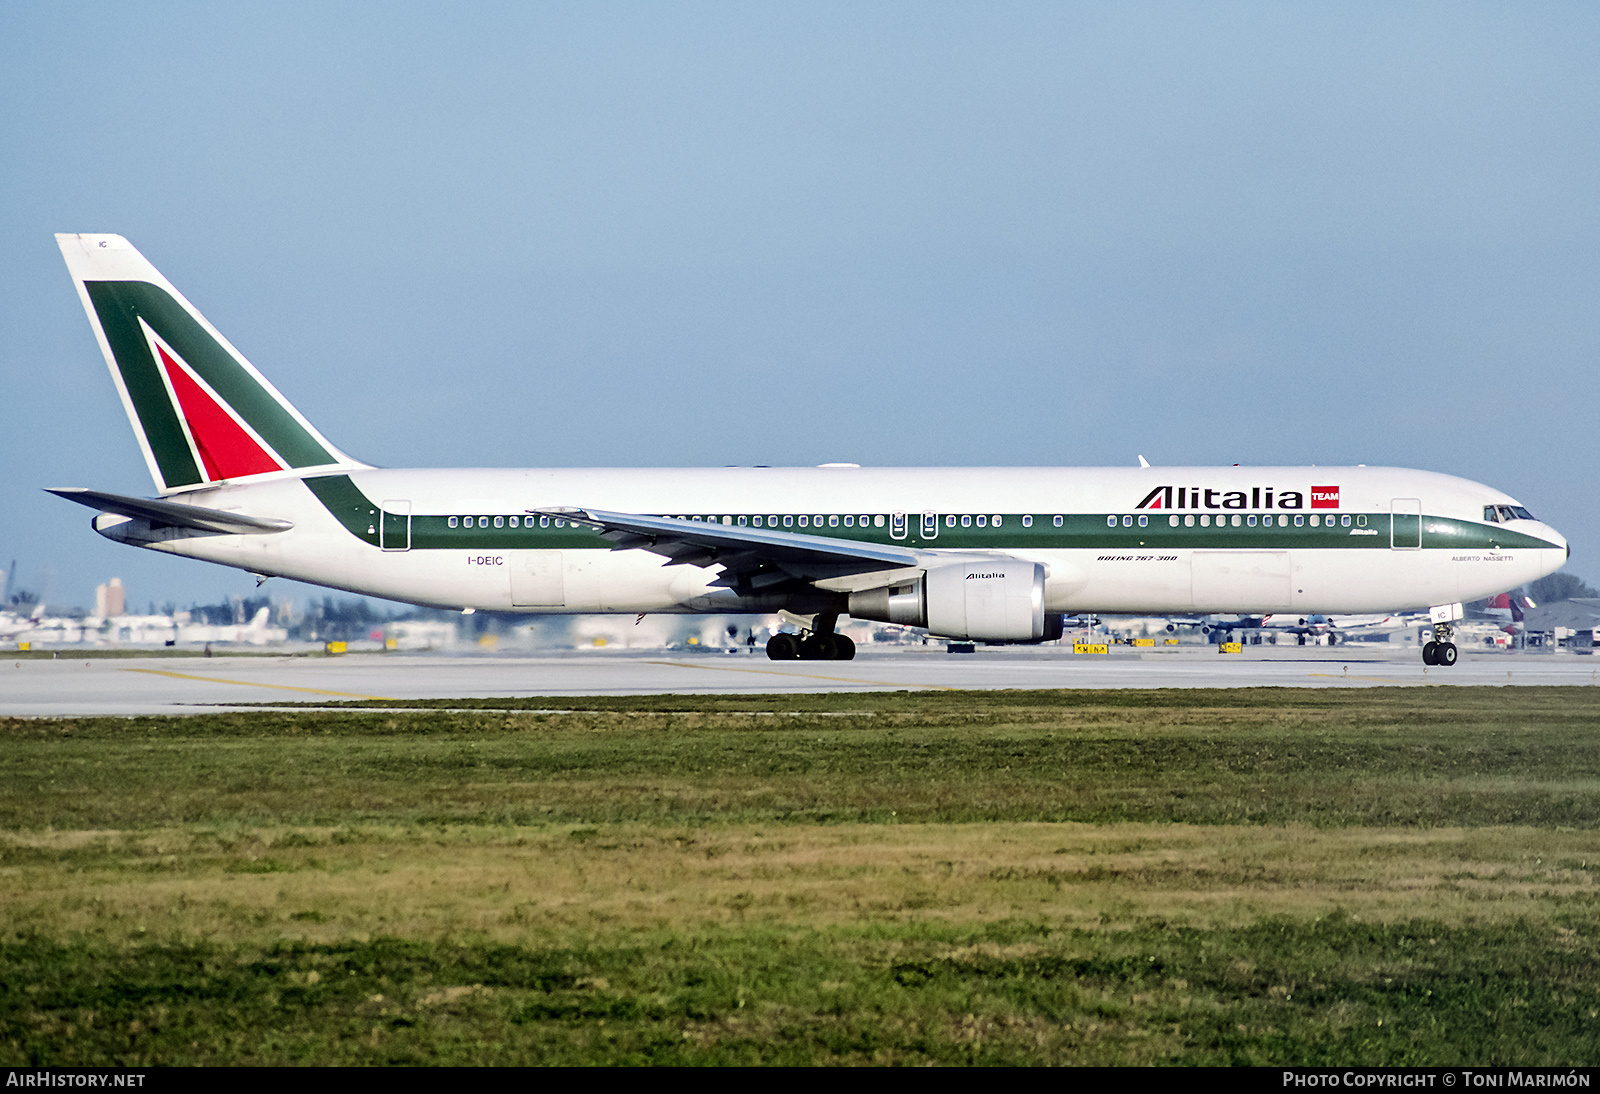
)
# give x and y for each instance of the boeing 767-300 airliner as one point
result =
(995, 554)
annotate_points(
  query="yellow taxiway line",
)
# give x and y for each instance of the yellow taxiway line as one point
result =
(801, 675)
(253, 684)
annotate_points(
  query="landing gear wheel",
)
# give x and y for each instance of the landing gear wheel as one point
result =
(1441, 651)
(845, 650)
(782, 647)
(819, 647)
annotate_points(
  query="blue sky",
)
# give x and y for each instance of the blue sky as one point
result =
(998, 234)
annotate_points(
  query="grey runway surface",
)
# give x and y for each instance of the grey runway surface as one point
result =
(183, 685)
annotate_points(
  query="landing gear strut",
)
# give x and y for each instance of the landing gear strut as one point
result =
(821, 644)
(1441, 651)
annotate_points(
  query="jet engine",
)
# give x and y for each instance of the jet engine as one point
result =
(999, 601)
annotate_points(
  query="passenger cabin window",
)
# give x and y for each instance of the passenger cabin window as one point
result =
(453, 522)
(1299, 520)
(1058, 522)
(982, 521)
(499, 522)
(1027, 520)
(966, 521)
(544, 522)
(1143, 520)
(788, 521)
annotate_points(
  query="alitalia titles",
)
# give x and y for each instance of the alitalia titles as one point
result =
(1257, 497)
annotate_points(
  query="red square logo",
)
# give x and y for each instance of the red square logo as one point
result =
(1324, 497)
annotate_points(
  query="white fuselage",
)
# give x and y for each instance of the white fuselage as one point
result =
(1137, 540)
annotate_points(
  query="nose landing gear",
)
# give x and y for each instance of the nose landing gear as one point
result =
(1441, 651)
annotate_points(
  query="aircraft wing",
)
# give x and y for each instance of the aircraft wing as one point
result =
(173, 514)
(750, 557)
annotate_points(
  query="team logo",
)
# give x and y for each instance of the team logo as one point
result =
(1324, 497)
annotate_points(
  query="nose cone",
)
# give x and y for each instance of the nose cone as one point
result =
(1559, 549)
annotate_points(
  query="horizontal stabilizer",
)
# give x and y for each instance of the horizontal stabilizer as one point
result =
(174, 514)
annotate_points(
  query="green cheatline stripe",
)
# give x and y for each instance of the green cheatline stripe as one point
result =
(120, 305)
(358, 513)
(348, 504)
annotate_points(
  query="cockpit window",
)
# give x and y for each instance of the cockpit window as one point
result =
(1499, 514)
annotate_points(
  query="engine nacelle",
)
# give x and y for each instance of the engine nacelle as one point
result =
(1000, 601)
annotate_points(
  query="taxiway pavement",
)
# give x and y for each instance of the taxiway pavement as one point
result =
(184, 685)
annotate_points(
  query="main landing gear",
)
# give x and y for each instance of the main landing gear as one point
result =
(821, 644)
(1441, 651)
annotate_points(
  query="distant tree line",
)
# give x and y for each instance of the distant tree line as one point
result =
(1560, 586)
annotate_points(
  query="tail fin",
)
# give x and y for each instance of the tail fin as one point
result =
(202, 413)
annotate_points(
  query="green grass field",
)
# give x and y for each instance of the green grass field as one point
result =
(1397, 876)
